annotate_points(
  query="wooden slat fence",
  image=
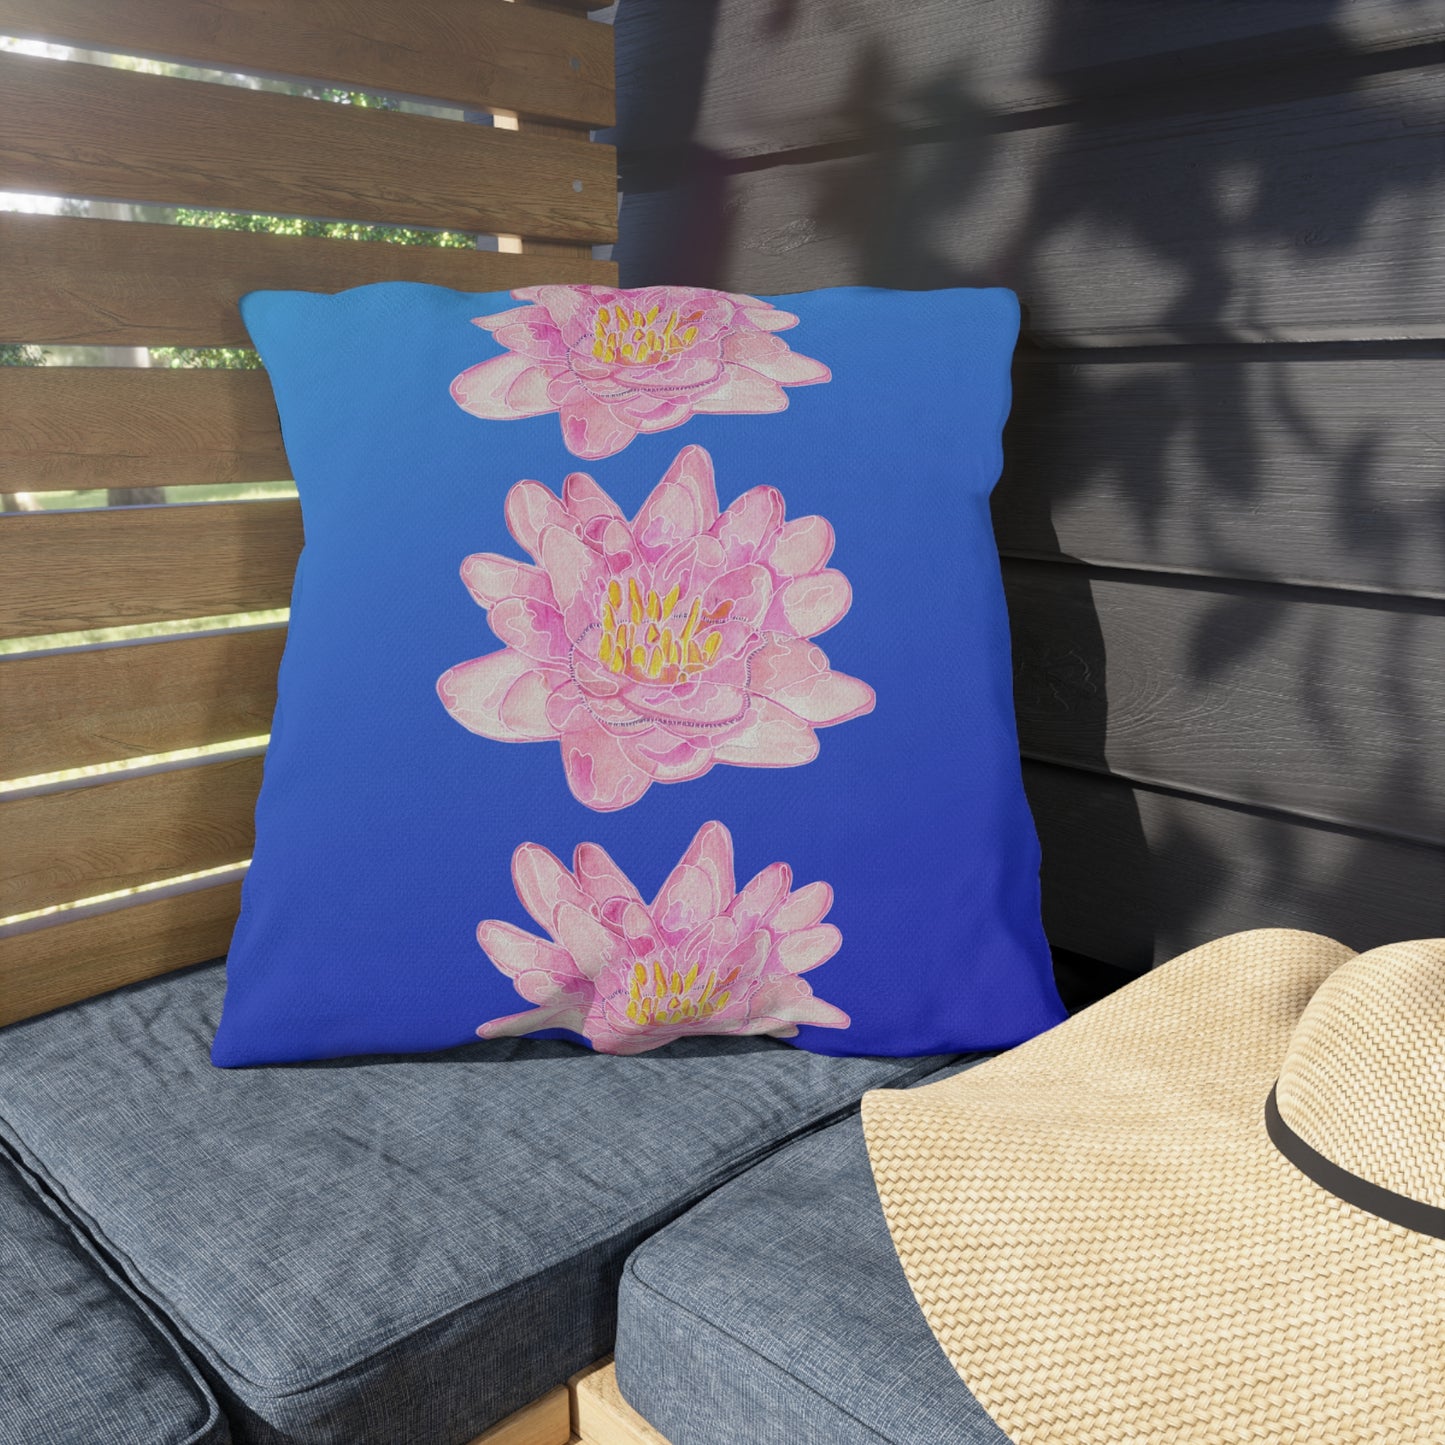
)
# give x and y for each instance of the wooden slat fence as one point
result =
(91, 131)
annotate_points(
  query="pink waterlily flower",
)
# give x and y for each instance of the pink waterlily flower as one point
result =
(701, 958)
(614, 363)
(652, 649)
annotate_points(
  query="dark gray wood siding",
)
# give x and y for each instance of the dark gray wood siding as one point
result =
(1223, 510)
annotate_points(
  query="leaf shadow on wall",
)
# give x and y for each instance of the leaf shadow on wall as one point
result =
(1148, 203)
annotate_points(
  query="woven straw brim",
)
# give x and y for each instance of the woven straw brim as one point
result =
(1111, 1251)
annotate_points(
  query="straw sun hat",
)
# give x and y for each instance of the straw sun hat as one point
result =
(1209, 1208)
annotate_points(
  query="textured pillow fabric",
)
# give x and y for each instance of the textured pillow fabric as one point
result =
(648, 675)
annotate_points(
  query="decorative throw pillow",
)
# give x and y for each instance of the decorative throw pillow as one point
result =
(648, 676)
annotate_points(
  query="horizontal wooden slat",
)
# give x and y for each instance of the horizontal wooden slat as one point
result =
(1328, 470)
(820, 71)
(77, 427)
(1318, 217)
(1134, 876)
(1305, 701)
(46, 968)
(81, 842)
(88, 130)
(477, 54)
(85, 282)
(116, 701)
(69, 571)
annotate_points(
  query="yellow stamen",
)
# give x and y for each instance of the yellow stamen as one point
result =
(690, 626)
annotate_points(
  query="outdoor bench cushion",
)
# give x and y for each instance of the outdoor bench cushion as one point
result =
(395, 1249)
(81, 1362)
(776, 1311)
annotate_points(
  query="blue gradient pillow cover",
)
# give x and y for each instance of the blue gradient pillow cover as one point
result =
(648, 676)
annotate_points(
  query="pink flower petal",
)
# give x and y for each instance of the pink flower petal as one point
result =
(708, 947)
(528, 395)
(600, 772)
(744, 961)
(600, 878)
(585, 500)
(702, 703)
(517, 952)
(523, 709)
(485, 390)
(814, 603)
(803, 908)
(682, 506)
(501, 696)
(743, 595)
(762, 314)
(761, 898)
(571, 308)
(667, 758)
(801, 546)
(533, 628)
(557, 1016)
(773, 358)
(640, 931)
(578, 576)
(712, 851)
(527, 314)
(783, 661)
(592, 945)
(771, 737)
(489, 578)
(807, 948)
(827, 699)
(742, 390)
(686, 902)
(790, 999)
(688, 566)
(592, 429)
(698, 366)
(530, 509)
(652, 414)
(544, 885)
(748, 528)
(530, 333)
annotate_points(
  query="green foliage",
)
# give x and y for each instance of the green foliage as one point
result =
(14, 354)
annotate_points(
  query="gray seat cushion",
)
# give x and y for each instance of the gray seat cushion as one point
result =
(81, 1361)
(388, 1249)
(776, 1311)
